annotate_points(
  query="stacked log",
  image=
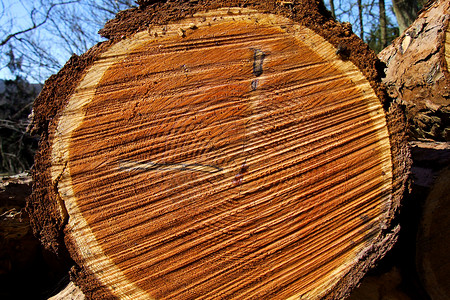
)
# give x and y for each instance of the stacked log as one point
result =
(15, 232)
(433, 237)
(417, 72)
(417, 75)
(22, 259)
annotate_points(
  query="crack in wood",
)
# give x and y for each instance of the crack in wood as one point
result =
(150, 166)
(258, 59)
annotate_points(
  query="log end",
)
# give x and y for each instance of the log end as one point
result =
(231, 153)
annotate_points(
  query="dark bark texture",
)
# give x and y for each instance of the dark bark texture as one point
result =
(417, 73)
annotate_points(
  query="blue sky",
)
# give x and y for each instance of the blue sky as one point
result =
(15, 16)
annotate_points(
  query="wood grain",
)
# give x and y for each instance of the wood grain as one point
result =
(232, 154)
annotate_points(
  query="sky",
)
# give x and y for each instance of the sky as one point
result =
(15, 16)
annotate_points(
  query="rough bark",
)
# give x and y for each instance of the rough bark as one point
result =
(220, 149)
(417, 72)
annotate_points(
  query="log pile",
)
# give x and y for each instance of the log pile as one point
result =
(433, 238)
(219, 149)
(417, 75)
(22, 259)
(15, 232)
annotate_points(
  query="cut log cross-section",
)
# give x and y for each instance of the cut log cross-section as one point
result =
(232, 153)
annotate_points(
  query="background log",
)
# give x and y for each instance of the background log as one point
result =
(216, 151)
(15, 232)
(433, 234)
(417, 72)
(418, 77)
(22, 259)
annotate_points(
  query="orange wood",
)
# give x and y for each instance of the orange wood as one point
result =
(232, 160)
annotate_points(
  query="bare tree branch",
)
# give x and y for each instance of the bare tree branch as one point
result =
(2, 10)
(383, 24)
(333, 11)
(35, 25)
(360, 19)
